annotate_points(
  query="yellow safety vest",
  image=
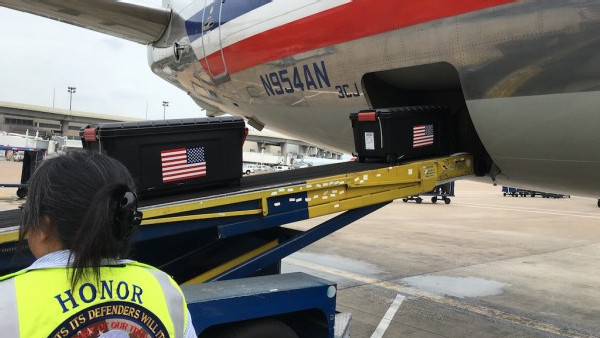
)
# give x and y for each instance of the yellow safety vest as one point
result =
(135, 299)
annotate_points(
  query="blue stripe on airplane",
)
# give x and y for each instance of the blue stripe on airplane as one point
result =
(231, 9)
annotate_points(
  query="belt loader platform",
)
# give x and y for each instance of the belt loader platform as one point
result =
(235, 235)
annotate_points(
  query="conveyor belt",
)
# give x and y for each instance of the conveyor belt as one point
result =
(240, 230)
(272, 179)
(11, 217)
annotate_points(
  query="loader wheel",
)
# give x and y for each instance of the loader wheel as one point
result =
(419, 200)
(406, 200)
(260, 328)
(434, 200)
(447, 200)
(598, 203)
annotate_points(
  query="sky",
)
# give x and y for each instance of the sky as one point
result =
(40, 58)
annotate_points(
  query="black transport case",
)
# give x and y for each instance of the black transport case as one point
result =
(166, 157)
(400, 133)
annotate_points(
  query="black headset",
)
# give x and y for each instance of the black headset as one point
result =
(127, 217)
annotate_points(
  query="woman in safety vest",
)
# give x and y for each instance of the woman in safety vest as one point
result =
(78, 218)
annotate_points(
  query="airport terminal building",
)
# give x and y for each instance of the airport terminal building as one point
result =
(44, 123)
(47, 122)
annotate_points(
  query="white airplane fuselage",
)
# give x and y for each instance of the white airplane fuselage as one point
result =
(527, 74)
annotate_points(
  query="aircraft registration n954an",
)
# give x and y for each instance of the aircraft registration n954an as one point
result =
(521, 78)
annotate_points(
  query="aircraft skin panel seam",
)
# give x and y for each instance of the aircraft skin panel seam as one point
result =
(305, 34)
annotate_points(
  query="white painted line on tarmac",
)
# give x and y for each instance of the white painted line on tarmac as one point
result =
(440, 299)
(532, 210)
(387, 318)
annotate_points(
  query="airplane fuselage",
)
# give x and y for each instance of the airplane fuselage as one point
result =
(521, 78)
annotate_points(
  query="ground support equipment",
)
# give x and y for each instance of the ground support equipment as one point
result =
(440, 192)
(31, 159)
(514, 192)
(548, 194)
(238, 236)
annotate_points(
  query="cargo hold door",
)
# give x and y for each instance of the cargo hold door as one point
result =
(214, 59)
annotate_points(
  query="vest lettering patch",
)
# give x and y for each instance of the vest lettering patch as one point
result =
(88, 293)
(113, 319)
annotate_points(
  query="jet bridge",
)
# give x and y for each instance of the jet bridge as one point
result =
(235, 233)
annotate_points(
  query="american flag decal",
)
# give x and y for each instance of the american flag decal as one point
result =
(422, 135)
(182, 164)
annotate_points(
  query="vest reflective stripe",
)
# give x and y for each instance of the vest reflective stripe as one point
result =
(128, 298)
(174, 299)
(9, 324)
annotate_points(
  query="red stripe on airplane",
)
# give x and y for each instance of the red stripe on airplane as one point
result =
(355, 20)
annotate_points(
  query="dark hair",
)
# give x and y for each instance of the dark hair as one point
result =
(80, 193)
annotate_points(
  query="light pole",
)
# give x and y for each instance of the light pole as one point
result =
(165, 105)
(71, 90)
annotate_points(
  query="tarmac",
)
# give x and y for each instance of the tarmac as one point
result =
(483, 266)
(10, 172)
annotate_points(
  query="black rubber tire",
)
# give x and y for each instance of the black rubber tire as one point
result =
(260, 328)
(447, 200)
(434, 199)
(598, 202)
(405, 200)
(419, 200)
(248, 172)
(504, 194)
(22, 192)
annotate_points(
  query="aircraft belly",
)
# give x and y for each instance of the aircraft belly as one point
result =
(325, 126)
(554, 144)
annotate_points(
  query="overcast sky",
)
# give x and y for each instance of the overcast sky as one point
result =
(112, 76)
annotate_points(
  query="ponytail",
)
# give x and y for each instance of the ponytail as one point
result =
(103, 233)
